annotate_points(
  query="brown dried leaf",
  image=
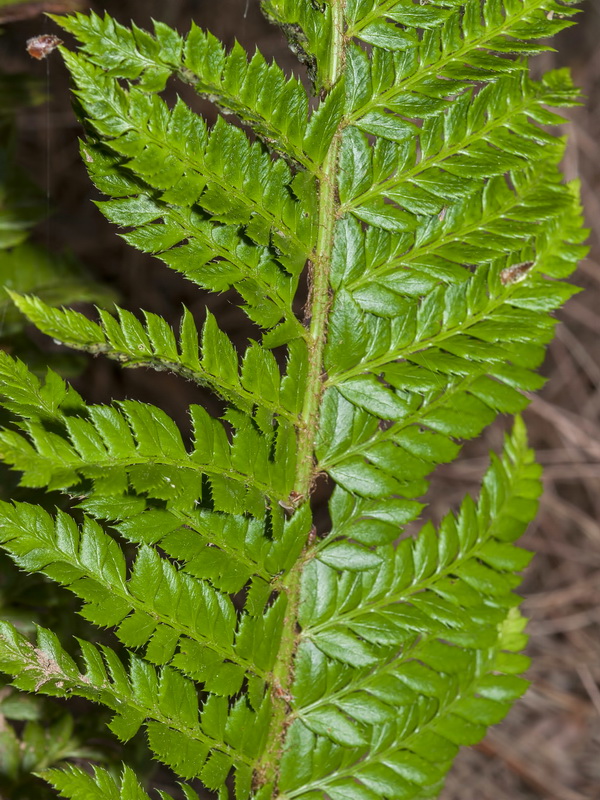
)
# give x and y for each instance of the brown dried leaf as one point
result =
(41, 46)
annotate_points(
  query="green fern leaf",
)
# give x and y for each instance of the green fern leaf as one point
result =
(154, 344)
(271, 653)
(74, 782)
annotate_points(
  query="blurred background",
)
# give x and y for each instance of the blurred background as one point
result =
(549, 747)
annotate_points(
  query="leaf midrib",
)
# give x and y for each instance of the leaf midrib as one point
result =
(404, 595)
(81, 465)
(137, 604)
(462, 385)
(438, 158)
(368, 758)
(421, 345)
(248, 115)
(232, 258)
(202, 378)
(448, 57)
(202, 170)
(498, 213)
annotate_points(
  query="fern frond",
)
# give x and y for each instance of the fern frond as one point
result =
(77, 784)
(202, 186)
(153, 344)
(137, 445)
(25, 394)
(463, 544)
(156, 605)
(130, 53)
(402, 661)
(259, 93)
(286, 657)
(398, 347)
(163, 697)
(274, 106)
(229, 551)
(409, 755)
(484, 135)
(471, 44)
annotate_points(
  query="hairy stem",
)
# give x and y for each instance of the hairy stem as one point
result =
(318, 306)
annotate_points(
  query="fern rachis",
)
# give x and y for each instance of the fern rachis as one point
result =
(267, 657)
